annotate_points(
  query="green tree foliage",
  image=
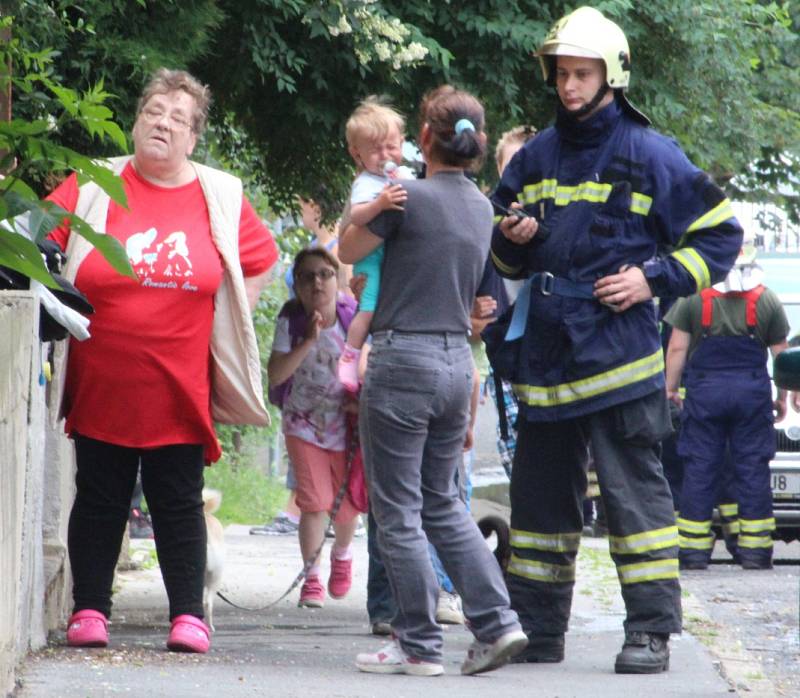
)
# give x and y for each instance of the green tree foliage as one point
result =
(30, 147)
(723, 78)
(116, 42)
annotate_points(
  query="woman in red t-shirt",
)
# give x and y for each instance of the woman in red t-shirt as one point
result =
(138, 392)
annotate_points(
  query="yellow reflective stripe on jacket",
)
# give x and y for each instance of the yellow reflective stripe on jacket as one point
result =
(705, 543)
(729, 510)
(690, 526)
(720, 213)
(657, 539)
(620, 377)
(541, 571)
(595, 192)
(695, 265)
(550, 542)
(532, 193)
(648, 571)
(757, 525)
(754, 541)
(641, 203)
(504, 267)
(585, 191)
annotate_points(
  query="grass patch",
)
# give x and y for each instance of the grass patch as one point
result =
(248, 496)
(605, 584)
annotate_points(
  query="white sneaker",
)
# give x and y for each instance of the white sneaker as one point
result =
(485, 656)
(392, 660)
(448, 609)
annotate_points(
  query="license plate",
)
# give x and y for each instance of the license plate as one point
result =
(785, 485)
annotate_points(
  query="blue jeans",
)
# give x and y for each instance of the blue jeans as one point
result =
(413, 420)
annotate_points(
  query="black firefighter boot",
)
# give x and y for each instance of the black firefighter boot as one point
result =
(643, 653)
(542, 649)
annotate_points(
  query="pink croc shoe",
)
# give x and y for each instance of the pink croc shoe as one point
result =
(188, 634)
(87, 628)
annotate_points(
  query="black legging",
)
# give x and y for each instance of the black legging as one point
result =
(172, 479)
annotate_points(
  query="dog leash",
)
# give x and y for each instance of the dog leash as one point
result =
(337, 503)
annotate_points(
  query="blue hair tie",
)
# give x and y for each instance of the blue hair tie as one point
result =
(463, 125)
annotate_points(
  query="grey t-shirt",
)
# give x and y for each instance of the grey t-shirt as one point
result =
(436, 249)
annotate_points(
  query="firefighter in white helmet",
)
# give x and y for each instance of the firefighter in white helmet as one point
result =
(615, 215)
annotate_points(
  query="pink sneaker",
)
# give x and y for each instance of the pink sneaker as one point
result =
(348, 368)
(87, 628)
(341, 577)
(312, 593)
(188, 634)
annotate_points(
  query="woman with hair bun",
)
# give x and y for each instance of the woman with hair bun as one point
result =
(415, 403)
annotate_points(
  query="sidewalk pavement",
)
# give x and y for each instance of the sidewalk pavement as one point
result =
(289, 651)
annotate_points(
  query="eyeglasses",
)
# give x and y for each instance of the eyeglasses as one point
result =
(176, 121)
(307, 277)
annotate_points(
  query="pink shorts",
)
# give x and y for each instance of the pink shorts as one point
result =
(319, 473)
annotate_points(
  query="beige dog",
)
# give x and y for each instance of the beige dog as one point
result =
(215, 553)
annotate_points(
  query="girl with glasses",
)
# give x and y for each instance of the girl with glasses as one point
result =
(309, 339)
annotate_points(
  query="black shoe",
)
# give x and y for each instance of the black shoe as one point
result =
(692, 565)
(756, 564)
(139, 524)
(541, 649)
(643, 653)
(381, 627)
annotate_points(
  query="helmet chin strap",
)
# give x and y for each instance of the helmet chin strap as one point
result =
(589, 106)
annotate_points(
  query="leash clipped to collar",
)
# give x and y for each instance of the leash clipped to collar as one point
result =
(337, 503)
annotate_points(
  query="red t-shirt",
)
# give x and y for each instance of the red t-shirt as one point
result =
(143, 378)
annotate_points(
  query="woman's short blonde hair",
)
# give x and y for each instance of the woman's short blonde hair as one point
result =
(372, 120)
(165, 80)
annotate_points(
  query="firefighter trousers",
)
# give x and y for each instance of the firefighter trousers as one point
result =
(548, 482)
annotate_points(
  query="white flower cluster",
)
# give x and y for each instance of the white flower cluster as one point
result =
(413, 53)
(378, 38)
(342, 27)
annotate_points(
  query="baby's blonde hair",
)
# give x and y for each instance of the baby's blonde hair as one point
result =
(518, 134)
(372, 120)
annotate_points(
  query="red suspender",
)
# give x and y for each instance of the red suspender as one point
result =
(751, 300)
(708, 295)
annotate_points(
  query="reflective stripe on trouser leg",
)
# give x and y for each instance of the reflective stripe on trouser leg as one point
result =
(548, 482)
(729, 520)
(695, 539)
(643, 536)
(755, 540)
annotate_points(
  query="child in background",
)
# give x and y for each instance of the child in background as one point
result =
(374, 135)
(495, 294)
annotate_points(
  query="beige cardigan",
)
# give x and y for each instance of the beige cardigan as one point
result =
(236, 388)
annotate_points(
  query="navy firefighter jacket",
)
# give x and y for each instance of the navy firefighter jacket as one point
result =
(608, 192)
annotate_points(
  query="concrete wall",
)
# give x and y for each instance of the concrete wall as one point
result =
(36, 472)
